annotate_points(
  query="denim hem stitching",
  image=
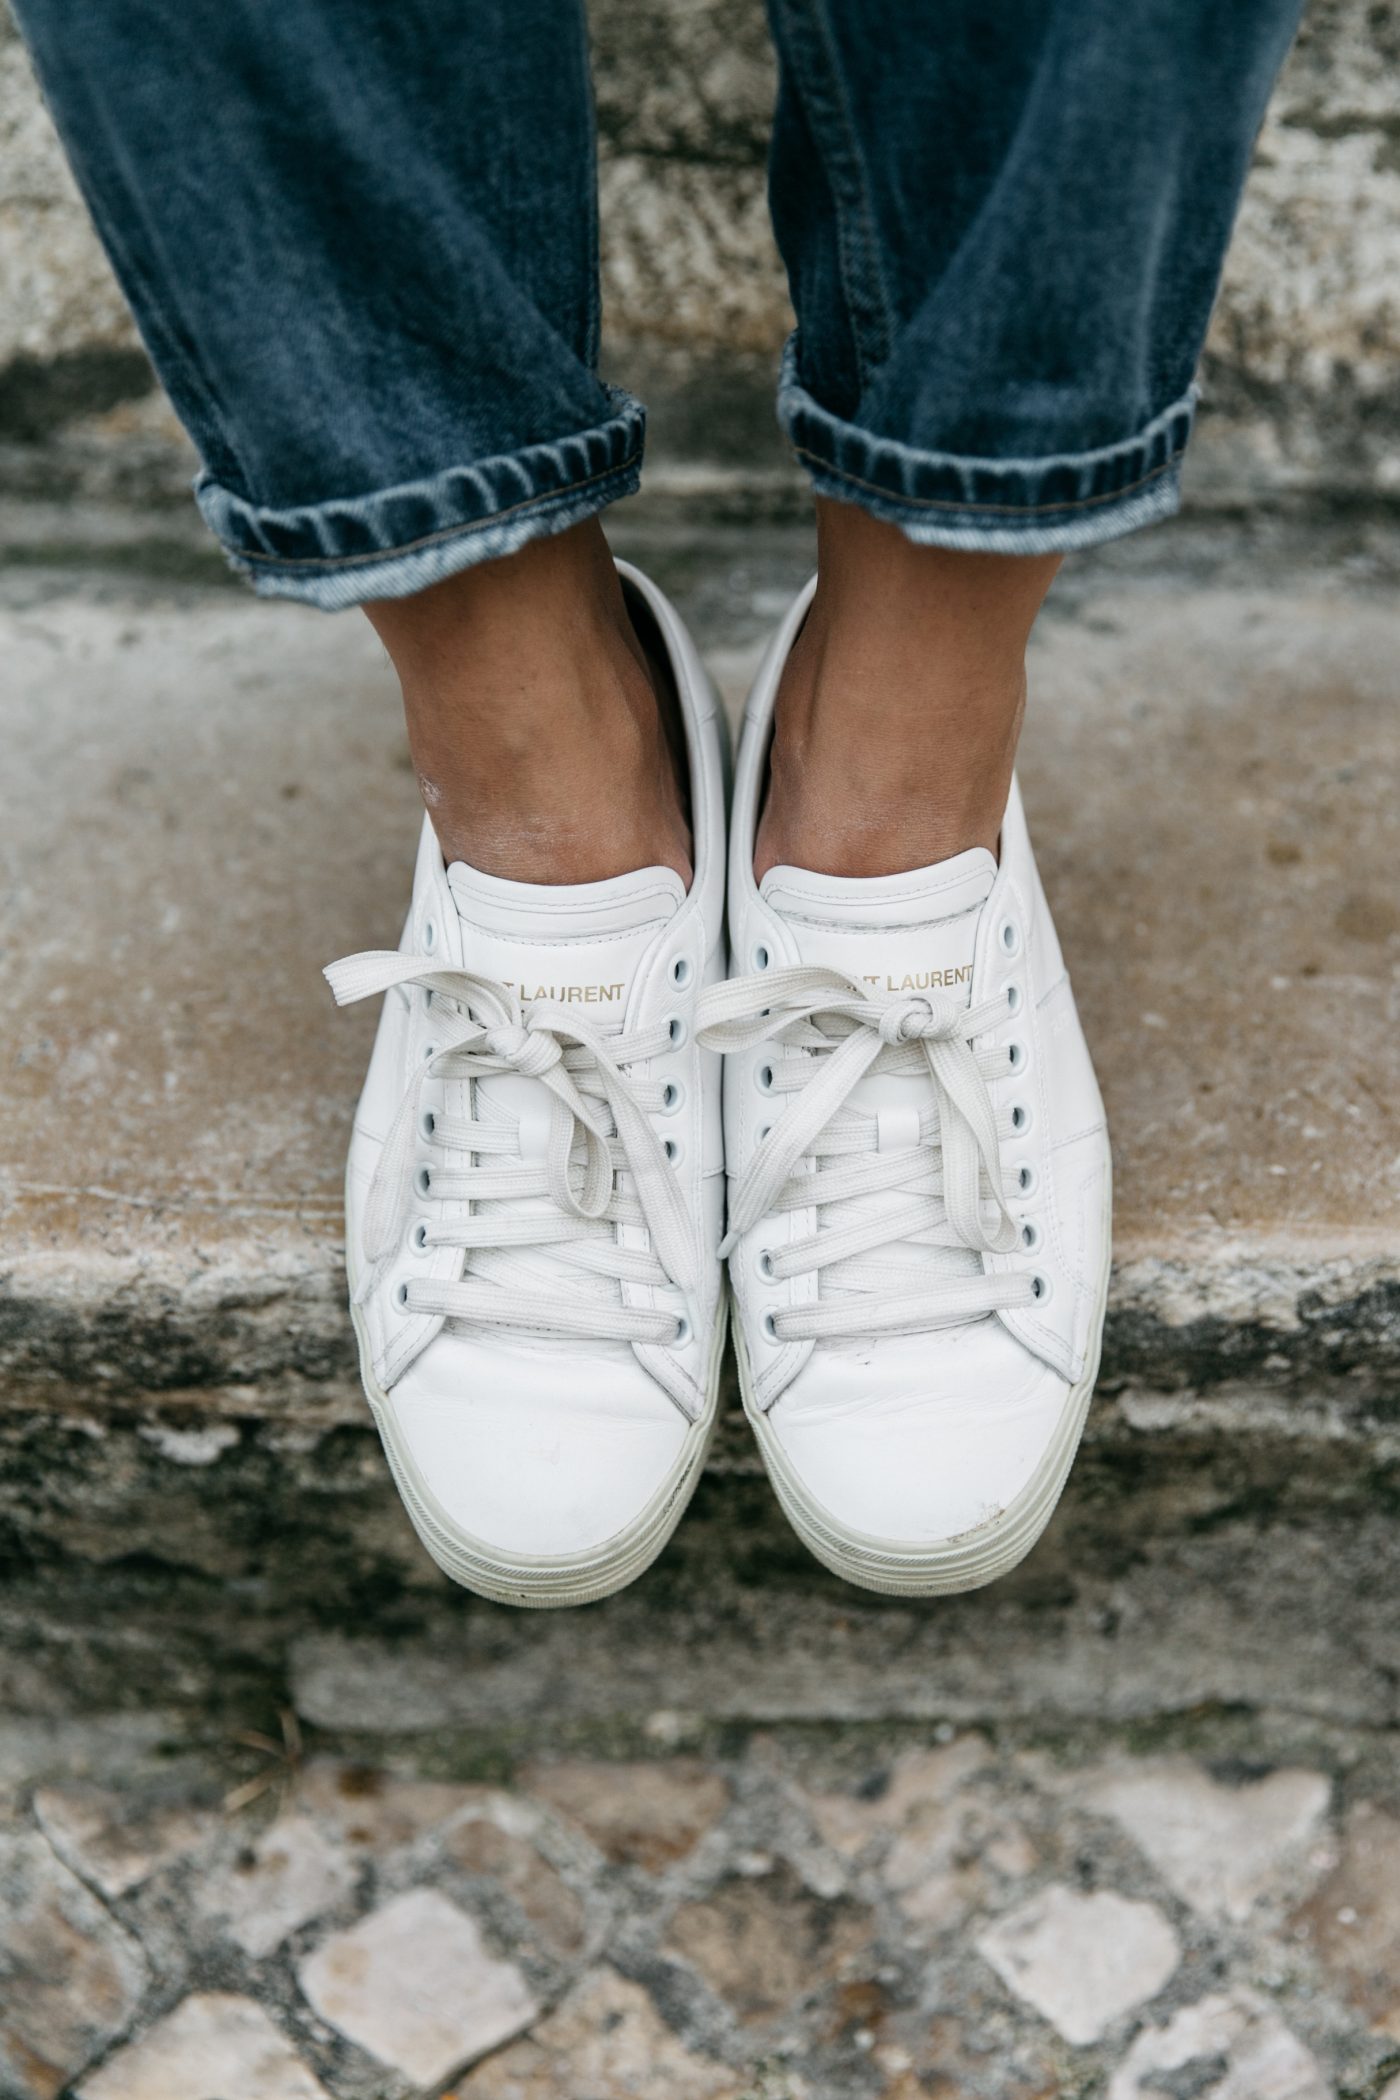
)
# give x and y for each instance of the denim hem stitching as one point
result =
(445, 532)
(1024, 510)
(926, 482)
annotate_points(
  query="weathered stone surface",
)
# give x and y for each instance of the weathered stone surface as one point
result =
(1222, 2048)
(1207, 769)
(480, 1846)
(919, 1782)
(288, 1875)
(605, 2041)
(1353, 1920)
(198, 1251)
(414, 1985)
(70, 1977)
(940, 1845)
(956, 2059)
(764, 1961)
(1221, 1848)
(1082, 1961)
(762, 1941)
(112, 1842)
(57, 293)
(642, 1814)
(376, 1811)
(214, 2046)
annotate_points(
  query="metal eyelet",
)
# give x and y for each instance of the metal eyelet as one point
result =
(1041, 1289)
(680, 970)
(1020, 1118)
(760, 957)
(763, 1079)
(1025, 1179)
(1030, 1236)
(1016, 1056)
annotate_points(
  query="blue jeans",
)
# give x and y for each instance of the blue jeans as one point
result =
(361, 243)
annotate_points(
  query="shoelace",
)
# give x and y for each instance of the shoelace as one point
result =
(598, 1129)
(823, 1153)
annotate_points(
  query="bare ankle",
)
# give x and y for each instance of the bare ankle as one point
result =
(534, 718)
(901, 703)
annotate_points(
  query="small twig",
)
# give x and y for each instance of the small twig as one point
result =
(285, 1760)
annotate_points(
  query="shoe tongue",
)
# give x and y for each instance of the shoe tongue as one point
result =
(577, 944)
(895, 933)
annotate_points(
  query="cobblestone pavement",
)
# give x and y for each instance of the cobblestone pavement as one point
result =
(803, 1915)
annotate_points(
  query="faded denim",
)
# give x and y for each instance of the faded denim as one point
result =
(361, 243)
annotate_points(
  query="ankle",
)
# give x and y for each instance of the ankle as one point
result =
(535, 718)
(862, 783)
(575, 792)
(900, 705)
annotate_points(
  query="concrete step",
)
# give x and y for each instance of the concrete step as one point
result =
(206, 798)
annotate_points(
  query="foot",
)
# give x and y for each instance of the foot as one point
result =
(919, 1195)
(533, 1200)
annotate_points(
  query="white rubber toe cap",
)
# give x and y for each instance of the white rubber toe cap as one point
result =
(920, 1439)
(533, 1451)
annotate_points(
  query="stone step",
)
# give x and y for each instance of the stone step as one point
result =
(206, 798)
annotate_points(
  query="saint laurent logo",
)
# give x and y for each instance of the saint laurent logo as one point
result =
(921, 980)
(567, 994)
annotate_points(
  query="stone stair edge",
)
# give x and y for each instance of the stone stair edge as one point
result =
(261, 1331)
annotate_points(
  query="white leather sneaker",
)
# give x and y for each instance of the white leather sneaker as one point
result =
(919, 1202)
(534, 1199)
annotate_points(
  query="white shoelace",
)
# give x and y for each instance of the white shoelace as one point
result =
(551, 1268)
(942, 1192)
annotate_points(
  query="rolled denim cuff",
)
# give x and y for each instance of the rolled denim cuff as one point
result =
(393, 541)
(992, 506)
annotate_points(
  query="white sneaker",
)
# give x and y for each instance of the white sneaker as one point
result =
(919, 1197)
(534, 1199)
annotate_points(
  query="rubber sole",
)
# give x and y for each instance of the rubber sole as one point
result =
(538, 1582)
(968, 1562)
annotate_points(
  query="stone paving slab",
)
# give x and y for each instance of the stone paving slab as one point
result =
(841, 1915)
